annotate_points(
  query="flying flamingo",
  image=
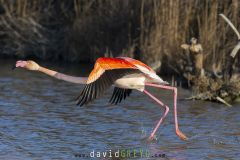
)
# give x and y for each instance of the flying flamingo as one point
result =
(125, 74)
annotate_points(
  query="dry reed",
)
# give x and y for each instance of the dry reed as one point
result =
(83, 30)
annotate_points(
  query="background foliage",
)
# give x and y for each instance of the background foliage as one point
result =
(83, 30)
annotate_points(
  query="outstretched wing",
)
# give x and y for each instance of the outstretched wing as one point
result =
(119, 94)
(140, 65)
(148, 71)
(106, 71)
(104, 64)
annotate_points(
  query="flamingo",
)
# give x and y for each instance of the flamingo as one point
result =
(125, 74)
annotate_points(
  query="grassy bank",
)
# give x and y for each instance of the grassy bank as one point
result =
(83, 30)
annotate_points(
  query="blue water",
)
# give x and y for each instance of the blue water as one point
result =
(39, 120)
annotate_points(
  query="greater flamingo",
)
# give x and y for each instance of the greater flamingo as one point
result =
(125, 74)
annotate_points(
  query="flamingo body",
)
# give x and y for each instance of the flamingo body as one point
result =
(132, 81)
(122, 72)
(148, 75)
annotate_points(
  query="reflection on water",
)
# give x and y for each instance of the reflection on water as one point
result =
(38, 120)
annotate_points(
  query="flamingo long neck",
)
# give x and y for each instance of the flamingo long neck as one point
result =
(64, 77)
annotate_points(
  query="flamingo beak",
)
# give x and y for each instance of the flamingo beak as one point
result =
(19, 64)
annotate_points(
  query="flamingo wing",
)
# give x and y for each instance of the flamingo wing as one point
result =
(140, 65)
(104, 64)
(145, 69)
(119, 94)
(106, 71)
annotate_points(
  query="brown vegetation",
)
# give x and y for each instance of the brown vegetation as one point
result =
(83, 30)
(224, 88)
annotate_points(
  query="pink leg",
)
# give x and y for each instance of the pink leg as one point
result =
(161, 119)
(174, 89)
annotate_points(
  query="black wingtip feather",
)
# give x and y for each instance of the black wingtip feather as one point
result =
(83, 95)
(95, 89)
(119, 94)
(114, 92)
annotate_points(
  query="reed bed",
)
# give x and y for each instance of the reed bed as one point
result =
(83, 30)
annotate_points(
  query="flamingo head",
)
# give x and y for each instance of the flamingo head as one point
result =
(29, 65)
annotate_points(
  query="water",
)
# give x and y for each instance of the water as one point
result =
(39, 120)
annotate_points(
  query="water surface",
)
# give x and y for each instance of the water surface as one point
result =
(39, 120)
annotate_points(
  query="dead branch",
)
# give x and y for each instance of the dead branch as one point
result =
(230, 24)
(237, 47)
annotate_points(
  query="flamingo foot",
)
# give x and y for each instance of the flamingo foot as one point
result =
(181, 135)
(151, 138)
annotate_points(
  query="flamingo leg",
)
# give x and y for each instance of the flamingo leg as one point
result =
(174, 89)
(163, 116)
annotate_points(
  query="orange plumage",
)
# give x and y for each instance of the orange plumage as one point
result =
(103, 64)
(137, 62)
